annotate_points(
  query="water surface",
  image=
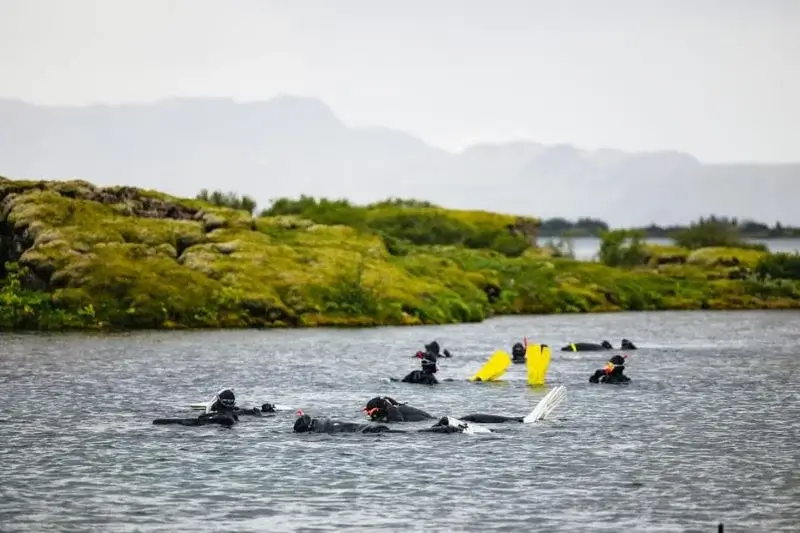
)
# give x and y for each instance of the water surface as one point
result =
(706, 433)
(586, 248)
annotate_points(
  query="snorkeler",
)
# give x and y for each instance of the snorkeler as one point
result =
(220, 410)
(587, 347)
(612, 373)
(225, 401)
(518, 353)
(434, 348)
(627, 345)
(425, 375)
(307, 424)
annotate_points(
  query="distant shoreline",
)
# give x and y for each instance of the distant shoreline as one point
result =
(647, 235)
(559, 227)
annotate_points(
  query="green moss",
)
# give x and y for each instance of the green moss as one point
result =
(401, 223)
(725, 257)
(656, 254)
(77, 256)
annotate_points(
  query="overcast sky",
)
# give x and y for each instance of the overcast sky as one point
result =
(719, 78)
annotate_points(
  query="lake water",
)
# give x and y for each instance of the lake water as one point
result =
(586, 248)
(707, 432)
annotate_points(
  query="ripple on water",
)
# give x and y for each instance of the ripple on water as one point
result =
(707, 432)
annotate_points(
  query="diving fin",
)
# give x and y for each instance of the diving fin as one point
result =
(470, 428)
(537, 359)
(546, 405)
(495, 367)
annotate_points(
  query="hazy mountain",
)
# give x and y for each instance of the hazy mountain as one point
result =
(290, 145)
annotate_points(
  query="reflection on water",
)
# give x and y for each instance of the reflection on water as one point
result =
(707, 432)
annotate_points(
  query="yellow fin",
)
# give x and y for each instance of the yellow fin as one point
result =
(495, 367)
(537, 359)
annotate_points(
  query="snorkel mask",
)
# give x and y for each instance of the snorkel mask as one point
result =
(374, 414)
(375, 408)
(224, 399)
(615, 362)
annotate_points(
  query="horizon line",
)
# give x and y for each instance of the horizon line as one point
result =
(462, 149)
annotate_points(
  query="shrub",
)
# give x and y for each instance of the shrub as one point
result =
(714, 232)
(622, 248)
(228, 199)
(779, 266)
(411, 221)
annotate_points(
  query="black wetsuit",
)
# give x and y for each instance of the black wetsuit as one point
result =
(587, 347)
(627, 345)
(252, 411)
(306, 424)
(490, 419)
(420, 376)
(425, 375)
(518, 354)
(222, 418)
(389, 410)
(615, 376)
(434, 349)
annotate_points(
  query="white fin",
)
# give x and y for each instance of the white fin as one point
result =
(470, 429)
(546, 405)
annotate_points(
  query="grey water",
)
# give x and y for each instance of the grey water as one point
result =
(586, 248)
(707, 432)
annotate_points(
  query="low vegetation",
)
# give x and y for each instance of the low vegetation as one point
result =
(402, 223)
(73, 255)
(720, 228)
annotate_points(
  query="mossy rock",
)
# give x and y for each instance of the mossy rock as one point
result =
(656, 255)
(725, 257)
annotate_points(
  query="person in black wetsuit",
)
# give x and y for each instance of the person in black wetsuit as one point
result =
(220, 403)
(387, 409)
(613, 373)
(434, 348)
(627, 345)
(587, 347)
(425, 375)
(518, 353)
(307, 424)
(222, 411)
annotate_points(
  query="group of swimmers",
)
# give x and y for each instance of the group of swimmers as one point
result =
(612, 372)
(222, 408)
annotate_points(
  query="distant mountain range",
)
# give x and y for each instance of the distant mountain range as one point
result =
(290, 145)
